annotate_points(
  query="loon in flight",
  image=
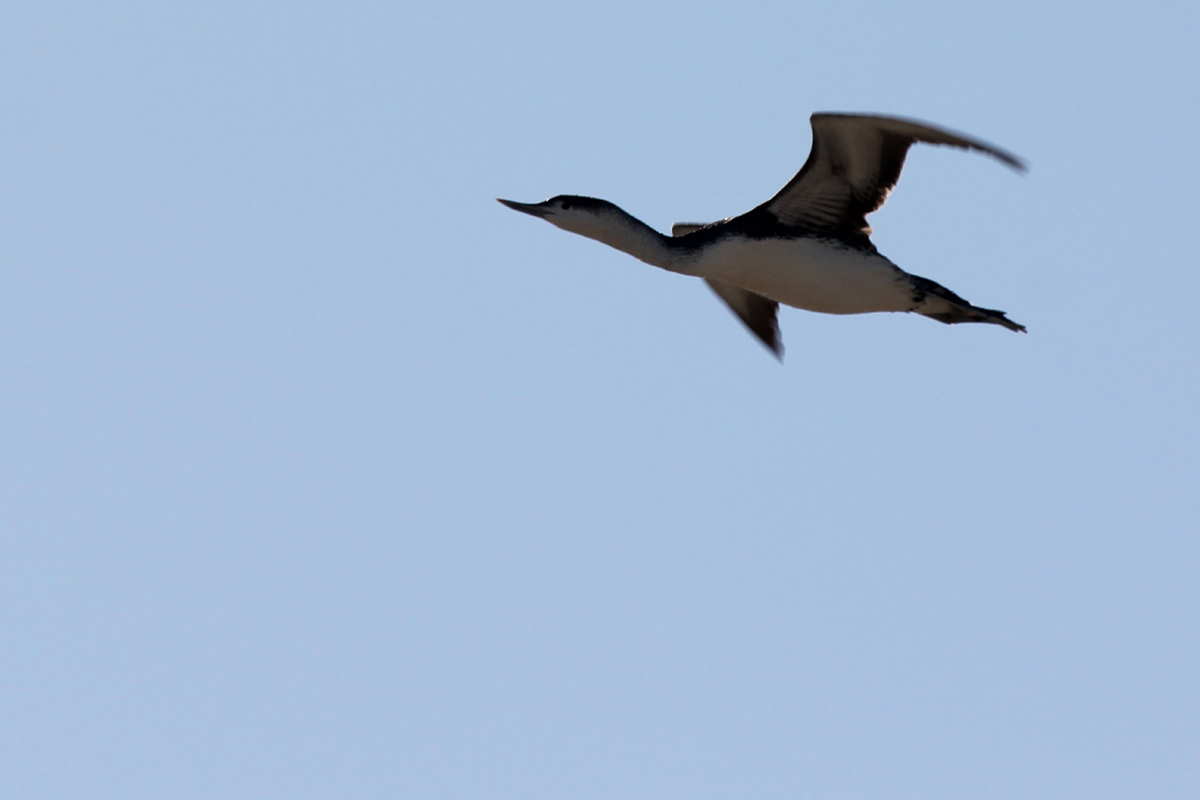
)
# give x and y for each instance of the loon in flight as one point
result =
(808, 246)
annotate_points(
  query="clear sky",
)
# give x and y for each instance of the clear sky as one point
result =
(323, 475)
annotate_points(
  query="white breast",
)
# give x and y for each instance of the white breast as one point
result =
(813, 274)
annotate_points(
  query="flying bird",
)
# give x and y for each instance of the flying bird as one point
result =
(809, 246)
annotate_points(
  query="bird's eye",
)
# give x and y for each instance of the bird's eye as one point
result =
(566, 206)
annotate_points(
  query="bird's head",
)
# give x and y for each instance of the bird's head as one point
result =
(586, 216)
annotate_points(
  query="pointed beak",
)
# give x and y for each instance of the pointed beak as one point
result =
(525, 208)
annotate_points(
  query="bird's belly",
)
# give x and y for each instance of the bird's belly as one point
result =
(813, 274)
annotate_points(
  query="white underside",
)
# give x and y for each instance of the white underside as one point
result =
(813, 274)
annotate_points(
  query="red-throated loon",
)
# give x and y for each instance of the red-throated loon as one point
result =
(808, 246)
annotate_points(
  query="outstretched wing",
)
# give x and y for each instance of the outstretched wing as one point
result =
(854, 163)
(759, 314)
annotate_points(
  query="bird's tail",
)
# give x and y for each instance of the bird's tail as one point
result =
(937, 302)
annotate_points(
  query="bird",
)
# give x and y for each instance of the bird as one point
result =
(809, 246)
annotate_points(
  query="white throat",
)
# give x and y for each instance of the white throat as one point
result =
(626, 233)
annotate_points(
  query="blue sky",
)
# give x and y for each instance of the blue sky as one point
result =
(324, 475)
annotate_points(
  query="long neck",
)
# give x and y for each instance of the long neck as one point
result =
(630, 235)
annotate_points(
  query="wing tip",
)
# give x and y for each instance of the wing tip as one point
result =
(771, 337)
(1016, 162)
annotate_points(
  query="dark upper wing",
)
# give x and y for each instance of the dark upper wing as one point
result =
(854, 163)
